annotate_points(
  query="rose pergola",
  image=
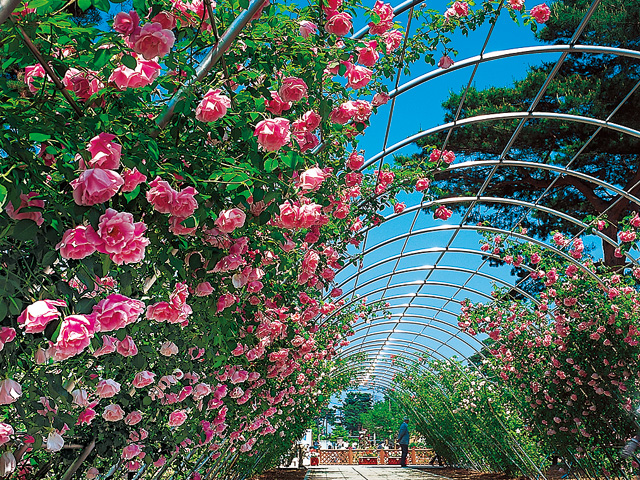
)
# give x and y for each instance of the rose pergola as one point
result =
(181, 184)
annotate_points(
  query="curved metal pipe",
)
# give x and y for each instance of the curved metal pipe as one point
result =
(6, 8)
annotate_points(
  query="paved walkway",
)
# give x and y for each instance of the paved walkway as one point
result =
(357, 472)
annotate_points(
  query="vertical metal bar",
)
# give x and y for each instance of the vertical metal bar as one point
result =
(83, 456)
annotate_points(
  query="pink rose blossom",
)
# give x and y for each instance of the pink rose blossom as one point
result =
(367, 55)
(119, 237)
(445, 62)
(203, 289)
(276, 105)
(126, 23)
(36, 317)
(442, 213)
(116, 312)
(385, 12)
(109, 345)
(213, 106)
(311, 179)
(458, 9)
(83, 84)
(113, 413)
(130, 451)
(105, 153)
(145, 73)
(132, 178)
(166, 19)
(127, 347)
(184, 203)
(107, 388)
(229, 220)
(133, 418)
(399, 207)
(26, 201)
(143, 379)
(273, 133)
(339, 24)
(541, 13)
(153, 41)
(168, 348)
(293, 89)
(95, 186)
(307, 28)
(10, 391)
(177, 418)
(6, 431)
(516, 5)
(86, 417)
(75, 335)
(422, 184)
(380, 98)
(161, 195)
(30, 73)
(392, 40)
(343, 113)
(355, 161)
(358, 77)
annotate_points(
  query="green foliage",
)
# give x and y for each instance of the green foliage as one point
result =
(384, 418)
(353, 406)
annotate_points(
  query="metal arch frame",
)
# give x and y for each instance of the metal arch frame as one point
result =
(498, 117)
(514, 52)
(511, 201)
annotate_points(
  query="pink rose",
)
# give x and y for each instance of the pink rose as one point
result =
(109, 345)
(385, 12)
(289, 215)
(516, 4)
(225, 301)
(168, 348)
(184, 203)
(75, 335)
(119, 237)
(113, 413)
(380, 98)
(145, 73)
(163, 312)
(10, 391)
(80, 397)
(399, 207)
(367, 55)
(36, 317)
(458, 9)
(116, 312)
(203, 289)
(26, 202)
(442, 213)
(309, 215)
(86, 417)
(143, 379)
(74, 244)
(83, 84)
(541, 13)
(353, 178)
(166, 19)
(126, 23)
(392, 40)
(133, 418)
(105, 153)
(293, 89)
(107, 388)
(339, 24)
(130, 451)
(422, 184)
(273, 133)
(177, 418)
(161, 195)
(96, 186)
(7, 334)
(229, 220)
(343, 113)
(306, 140)
(276, 105)
(445, 62)
(311, 179)
(358, 77)
(153, 41)
(132, 178)
(6, 431)
(308, 28)
(30, 73)
(355, 161)
(213, 106)
(127, 347)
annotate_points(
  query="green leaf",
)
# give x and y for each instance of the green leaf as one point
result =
(39, 137)
(3, 194)
(102, 5)
(133, 194)
(146, 401)
(129, 62)
(270, 164)
(84, 4)
(25, 230)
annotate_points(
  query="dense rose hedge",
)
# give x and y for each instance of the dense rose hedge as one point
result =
(162, 286)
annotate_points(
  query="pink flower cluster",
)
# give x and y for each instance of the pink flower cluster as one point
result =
(303, 129)
(144, 74)
(179, 205)
(176, 310)
(213, 106)
(26, 201)
(150, 41)
(385, 13)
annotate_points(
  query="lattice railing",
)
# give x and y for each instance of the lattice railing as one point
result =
(417, 456)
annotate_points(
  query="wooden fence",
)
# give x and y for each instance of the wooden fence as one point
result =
(417, 456)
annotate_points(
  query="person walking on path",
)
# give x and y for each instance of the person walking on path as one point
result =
(403, 440)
